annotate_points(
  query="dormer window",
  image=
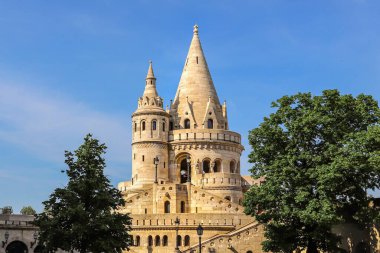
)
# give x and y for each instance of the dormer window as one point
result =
(187, 124)
(210, 124)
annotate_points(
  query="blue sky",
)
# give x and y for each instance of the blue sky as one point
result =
(72, 67)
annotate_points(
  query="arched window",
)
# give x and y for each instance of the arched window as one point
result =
(210, 124)
(16, 246)
(179, 240)
(165, 240)
(182, 206)
(154, 125)
(171, 125)
(135, 127)
(218, 166)
(163, 126)
(206, 166)
(187, 124)
(137, 242)
(157, 241)
(183, 171)
(187, 240)
(150, 241)
(143, 126)
(232, 167)
(167, 206)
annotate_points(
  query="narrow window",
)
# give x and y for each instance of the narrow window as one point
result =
(210, 124)
(143, 126)
(179, 240)
(182, 206)
(137, 241)
(146, 210)
(154, 125)
(143, 158)
(150, 241)
(197, 59)
(135, 127)
(187, 124)
(167, 207)
(171, 125)
(134, 156)
(187, 240)
(165, 240)
(157, 241)
(164, 165)
(163, 126)
(232, 167)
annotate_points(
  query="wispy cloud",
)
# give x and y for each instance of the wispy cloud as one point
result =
(45, 124)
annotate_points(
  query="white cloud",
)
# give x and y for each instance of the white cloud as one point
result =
(45, 124)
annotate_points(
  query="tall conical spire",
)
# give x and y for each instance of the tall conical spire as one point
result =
(196, 84)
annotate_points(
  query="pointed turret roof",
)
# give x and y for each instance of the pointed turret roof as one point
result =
(150, 85)
(150, 98)
(196, 85)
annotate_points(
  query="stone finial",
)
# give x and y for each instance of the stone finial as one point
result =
(195, 29)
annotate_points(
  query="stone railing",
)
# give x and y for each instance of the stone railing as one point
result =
(205, 135)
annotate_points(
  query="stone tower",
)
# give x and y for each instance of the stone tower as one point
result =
(198, 174)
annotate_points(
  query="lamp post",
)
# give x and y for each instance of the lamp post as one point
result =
(200, 233)
(156, 161)
(35, 237)
(188, 168)
(6, 236)
(176, 222)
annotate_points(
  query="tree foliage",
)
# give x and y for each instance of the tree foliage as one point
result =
(83, 215)
(318, 156)
(28, 210)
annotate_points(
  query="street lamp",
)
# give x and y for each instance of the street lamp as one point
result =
(35, 237)
(156, 161)
(188, 160)
(200, 233)
(176, 222)
(6, 236)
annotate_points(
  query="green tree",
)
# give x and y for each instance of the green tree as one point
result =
(28, 210)
(318, 156)
(83, 215)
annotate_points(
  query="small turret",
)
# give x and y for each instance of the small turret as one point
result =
(149, 135)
